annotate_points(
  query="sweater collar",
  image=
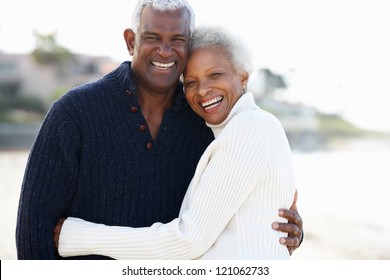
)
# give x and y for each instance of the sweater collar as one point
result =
(122, 85)
(244, 103)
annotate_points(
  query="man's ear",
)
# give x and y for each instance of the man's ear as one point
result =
(129, 36)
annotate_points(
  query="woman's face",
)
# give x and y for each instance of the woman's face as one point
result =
(212, 85)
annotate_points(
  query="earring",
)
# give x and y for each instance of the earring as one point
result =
(243, 88)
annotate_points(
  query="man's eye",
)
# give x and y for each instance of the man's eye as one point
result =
(215, 75)
(150, 37)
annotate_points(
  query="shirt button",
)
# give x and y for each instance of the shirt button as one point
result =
(142, 128)
(134, 109)
(149, 146)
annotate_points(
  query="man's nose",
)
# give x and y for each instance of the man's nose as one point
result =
(165, 49)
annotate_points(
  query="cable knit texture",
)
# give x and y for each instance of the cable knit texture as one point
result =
(241, 181)
(93, 159)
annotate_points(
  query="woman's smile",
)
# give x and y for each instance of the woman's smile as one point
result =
(212, 103)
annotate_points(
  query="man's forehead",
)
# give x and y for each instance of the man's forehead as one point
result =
(176, 21)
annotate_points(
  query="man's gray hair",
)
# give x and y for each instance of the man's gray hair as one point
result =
(234, 48)
(162, 5)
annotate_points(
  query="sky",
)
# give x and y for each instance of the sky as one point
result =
(335, 54)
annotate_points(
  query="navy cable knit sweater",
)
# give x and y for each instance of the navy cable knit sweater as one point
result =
(95, 159)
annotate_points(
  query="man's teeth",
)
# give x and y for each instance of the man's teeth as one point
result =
(163, 65)
(212, 103)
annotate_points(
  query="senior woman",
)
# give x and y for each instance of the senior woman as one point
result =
(243, 178)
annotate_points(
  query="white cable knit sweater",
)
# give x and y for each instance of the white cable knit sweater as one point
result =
(242, 179)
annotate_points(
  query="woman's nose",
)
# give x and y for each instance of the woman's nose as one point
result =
(204, 91)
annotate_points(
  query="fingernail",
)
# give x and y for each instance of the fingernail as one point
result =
(275, 225)
(281, 212)
(282, 240)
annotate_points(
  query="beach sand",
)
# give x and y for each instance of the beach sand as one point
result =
(12, 164)
(342, 208)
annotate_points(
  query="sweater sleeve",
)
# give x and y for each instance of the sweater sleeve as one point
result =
(47, 187)
(222, 182)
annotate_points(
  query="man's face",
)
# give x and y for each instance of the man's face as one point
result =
(161, 48)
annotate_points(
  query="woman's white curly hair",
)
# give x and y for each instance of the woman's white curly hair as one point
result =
(234, 48)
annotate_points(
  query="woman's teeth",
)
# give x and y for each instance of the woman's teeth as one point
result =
(212, 103)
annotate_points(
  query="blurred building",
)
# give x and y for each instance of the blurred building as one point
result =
(29, 86)
(22, 74)
(300, 122)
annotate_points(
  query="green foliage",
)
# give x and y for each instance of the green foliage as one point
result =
(9, 104)
(333, 125)
(27, 103)
(48, 51)
(58, 93)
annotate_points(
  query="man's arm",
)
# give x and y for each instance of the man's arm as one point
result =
(47, 188)
(294, 226)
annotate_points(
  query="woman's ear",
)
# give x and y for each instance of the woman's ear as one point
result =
(129, 36)
(244, 78)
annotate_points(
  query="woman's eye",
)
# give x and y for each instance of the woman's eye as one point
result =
(189, 84)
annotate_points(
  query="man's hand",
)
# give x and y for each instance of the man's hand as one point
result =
(57, 231)
(294, 227)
